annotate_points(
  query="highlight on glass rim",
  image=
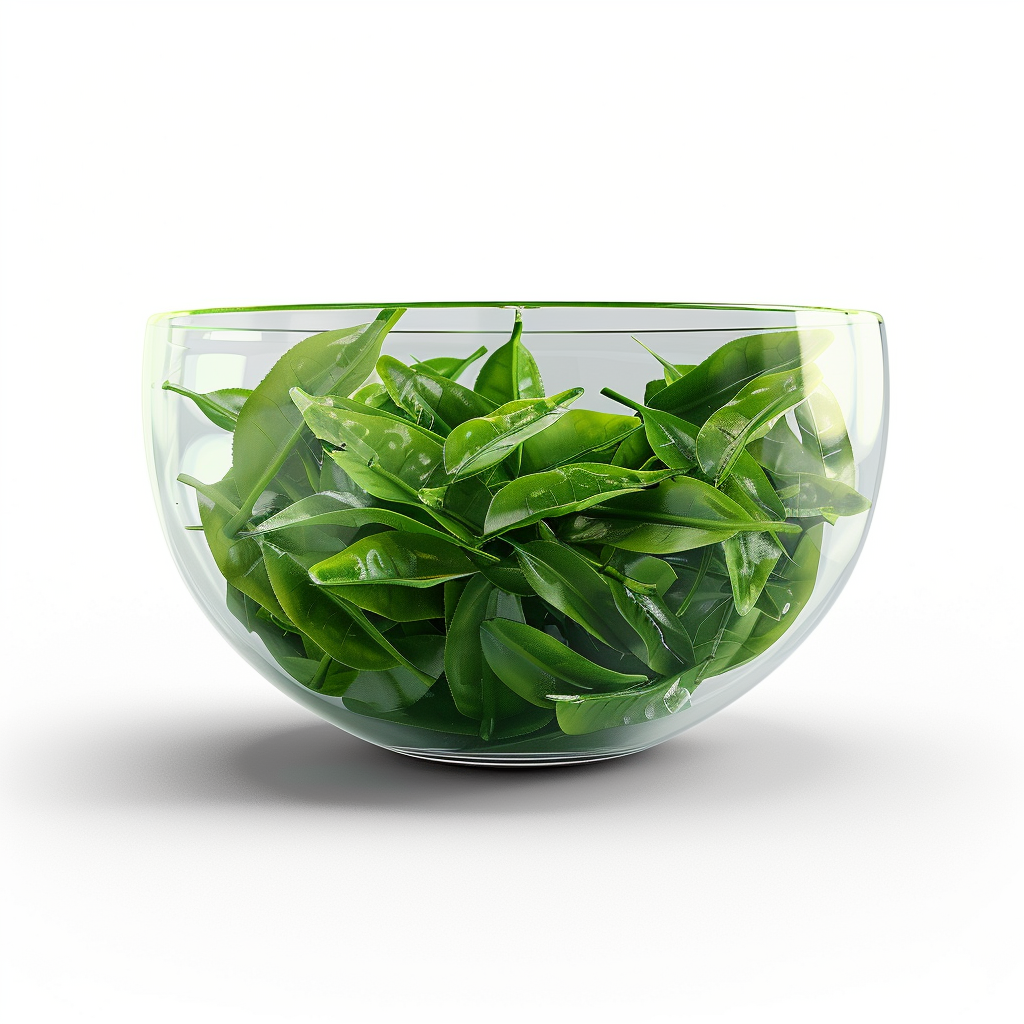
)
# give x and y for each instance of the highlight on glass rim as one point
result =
(434, 549)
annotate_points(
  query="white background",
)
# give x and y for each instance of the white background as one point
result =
(184, 844)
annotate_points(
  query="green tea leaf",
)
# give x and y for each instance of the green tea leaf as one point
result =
(433, 401)
(634, 451)
(672, 372)
(463, 655)
(674, 516)
(567, 581)
(574, 435)
(534, 664)
(321, 616)
(717, 380)
(400, 687)
(669, 648)
(220, 407)
(728, 429)
(671, 439)
(806, 495)
(751, 557)
(483, 442)
(396, 557)
(387, 457)
(240, 561)
(332, 508)
(269, 425)
(450, 366)
(823, 432)
(578, 716)
(560, 491)
(510, 373)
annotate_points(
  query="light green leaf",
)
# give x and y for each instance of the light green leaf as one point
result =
(510, 373)
(560, 491)
(397, 558)
(220, 407)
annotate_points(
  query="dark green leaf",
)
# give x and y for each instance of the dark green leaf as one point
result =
(329, 508)
(728, 429)
(340, 628)
(578, 716)
(634, 450)
(568, 582)
(718, 379)
(483, 442)
(400, 687)
(534, 664)
(463, 656)
(751, 557)
(668, 647)
(578, 433)
(240, 561)
(477, 691)
(433, 401)
(269, 425)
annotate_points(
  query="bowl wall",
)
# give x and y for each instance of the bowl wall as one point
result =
(574, 345)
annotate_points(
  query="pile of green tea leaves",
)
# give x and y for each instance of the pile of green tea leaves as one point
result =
(491, 561)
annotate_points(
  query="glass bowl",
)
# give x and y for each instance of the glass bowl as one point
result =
(515, 533)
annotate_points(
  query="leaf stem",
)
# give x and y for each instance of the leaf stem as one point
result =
(702, 570)
(321, 672)
(622, 400)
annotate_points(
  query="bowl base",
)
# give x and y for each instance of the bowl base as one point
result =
(510, 760)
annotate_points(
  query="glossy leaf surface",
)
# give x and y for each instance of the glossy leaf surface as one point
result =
(576, 436)
(568, 582)
(534, 664)
(751, 557)
(560, 491)
(669, 648)
(510, 372)
(717, 380)
(578, 716)
(480, 443)
(725, 432)
(395, 557)
(674, 516)
(322, 617)
(269, 425)
(433, 401)
(389, 458)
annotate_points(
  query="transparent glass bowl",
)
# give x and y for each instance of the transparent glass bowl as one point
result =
(588, 345)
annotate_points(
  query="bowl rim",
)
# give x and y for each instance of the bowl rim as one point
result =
(158, 318)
